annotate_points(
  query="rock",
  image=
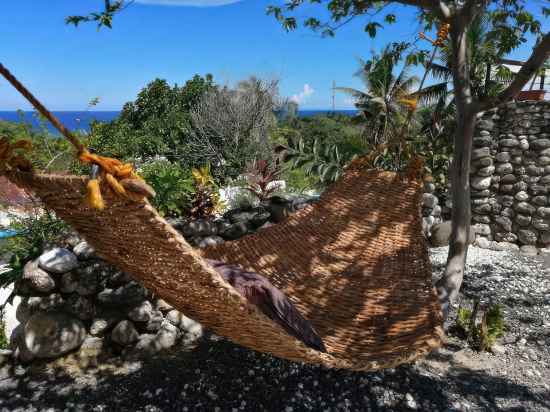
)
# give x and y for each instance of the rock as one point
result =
(50, 335)
(31, 305)
(481, 183)
(410, 402)
(84, 251)
(441, 234)
(540, 200)
(506, 237)
(522, 220)
(200, 227)
(429, 200)
(104, 321)
(502, 157)
(507, 179)
(118, 278)
(483, 243)
(186, 324)
(540, 144)
(505, 247)
(527, 237)
(544, 212)
(486, 171)
(162, 305)
(80, 306)
(528, 250)
(58, 260)
(504, 168)
(69, 282)
(504, 222)
(521, 196)
(508, 143)
(525, 208)
(481, 229)
(146, 344)
(17, 343)
(124, 333)
(541, 224)
(92, 347)
(210, 241)
(88, 280)
(126, 295)
(235, 231)
(142, 312)
(167, 336)
(429, 187)
(259, 219)
(481, 152)
(155, 321)
(36, 278)
(279, 208)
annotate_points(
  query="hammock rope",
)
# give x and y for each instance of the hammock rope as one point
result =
(120, 177)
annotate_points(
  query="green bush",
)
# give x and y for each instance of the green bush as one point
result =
(173, 186)
(481, 335)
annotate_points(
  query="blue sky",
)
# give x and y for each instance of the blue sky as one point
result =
(66, 66)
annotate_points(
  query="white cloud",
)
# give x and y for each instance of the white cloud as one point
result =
(194, 3)
(303, 95)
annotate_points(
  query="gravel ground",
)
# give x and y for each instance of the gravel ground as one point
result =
(218, 376)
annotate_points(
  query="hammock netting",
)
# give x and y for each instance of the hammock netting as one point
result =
(355, 264)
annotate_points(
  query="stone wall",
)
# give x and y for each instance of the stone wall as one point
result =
(511, 175)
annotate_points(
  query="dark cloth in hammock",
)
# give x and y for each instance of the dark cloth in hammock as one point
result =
(271, 301)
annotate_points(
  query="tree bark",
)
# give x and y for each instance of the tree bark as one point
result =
(449, 285)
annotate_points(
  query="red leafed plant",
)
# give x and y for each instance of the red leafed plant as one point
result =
(261, 177)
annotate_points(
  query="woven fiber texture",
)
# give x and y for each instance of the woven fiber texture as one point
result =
(355, 264)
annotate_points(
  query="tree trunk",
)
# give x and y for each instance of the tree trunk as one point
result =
(449, 285)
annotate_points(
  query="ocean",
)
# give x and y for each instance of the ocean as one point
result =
(80, 121)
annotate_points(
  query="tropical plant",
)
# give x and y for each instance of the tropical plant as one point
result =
(318, 159)
(388, 95)
(173, 187)
(206, 201)
(261, 177)
(481, 335)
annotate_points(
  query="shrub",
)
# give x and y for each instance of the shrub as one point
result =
(481, 335)
(173, 186)
(261, 177)
(206, 201)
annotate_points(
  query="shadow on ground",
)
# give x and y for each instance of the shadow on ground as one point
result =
(217, 375)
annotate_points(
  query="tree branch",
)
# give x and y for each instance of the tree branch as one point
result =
(437, 6)
(540, 54)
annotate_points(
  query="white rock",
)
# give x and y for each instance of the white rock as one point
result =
(52, 334)
(84, 251)
(58, 260)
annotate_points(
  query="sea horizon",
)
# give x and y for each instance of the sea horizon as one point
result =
(80, 120)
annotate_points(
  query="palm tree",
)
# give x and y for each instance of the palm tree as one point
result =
(387, 96)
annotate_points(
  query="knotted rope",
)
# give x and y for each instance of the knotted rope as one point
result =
(120, 177)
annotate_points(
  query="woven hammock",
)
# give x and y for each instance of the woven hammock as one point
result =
(355, 264)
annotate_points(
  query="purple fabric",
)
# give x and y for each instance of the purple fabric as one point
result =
(271, 301)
